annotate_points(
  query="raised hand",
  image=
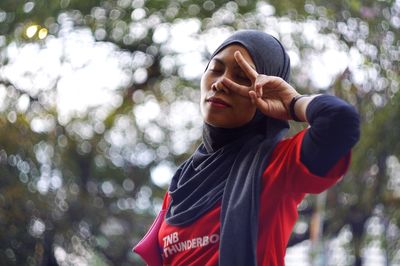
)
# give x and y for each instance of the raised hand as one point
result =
(270, 94)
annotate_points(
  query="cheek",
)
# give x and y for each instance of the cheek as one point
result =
(244, 103)
(203, 85)
(246, 110)
(203, 93)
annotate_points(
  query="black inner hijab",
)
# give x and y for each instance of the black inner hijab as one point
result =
(228, 165)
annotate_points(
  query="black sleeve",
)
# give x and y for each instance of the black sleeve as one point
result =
(334, 130)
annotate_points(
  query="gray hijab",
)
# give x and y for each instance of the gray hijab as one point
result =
(228, 166)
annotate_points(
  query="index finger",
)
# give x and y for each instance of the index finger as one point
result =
(250, 72)
(242, 90)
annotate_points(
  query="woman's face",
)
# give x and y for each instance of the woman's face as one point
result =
(220, 106)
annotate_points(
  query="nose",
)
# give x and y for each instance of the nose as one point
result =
(218, 86)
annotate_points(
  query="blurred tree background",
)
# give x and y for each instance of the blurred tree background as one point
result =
(98, 106)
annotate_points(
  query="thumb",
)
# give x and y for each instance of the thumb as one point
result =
(258, 102)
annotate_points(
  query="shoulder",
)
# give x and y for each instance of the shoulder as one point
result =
(291, 144)
(284, 158)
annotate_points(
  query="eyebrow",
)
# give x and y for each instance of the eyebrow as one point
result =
(236, 65)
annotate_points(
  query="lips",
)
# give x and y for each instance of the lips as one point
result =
(217, 102)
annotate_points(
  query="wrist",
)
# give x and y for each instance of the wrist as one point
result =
(293, 111)
(299, 107)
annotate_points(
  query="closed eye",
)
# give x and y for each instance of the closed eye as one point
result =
(244, 79)
(216, 66)
(215, 70)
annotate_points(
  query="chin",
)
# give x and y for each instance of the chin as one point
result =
(219, 123)
(213, 122)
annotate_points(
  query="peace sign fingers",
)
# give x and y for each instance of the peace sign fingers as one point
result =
(242, 90)
(250, 72)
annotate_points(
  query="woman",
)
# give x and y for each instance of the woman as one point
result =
(234, 201)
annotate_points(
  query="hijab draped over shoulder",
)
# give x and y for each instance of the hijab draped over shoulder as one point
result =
(228, 166)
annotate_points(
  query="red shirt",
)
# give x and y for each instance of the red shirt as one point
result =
(284, 184)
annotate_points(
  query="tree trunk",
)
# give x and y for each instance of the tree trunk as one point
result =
(48, 255)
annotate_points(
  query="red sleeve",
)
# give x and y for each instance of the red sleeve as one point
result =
(285, 162)
(148, 247)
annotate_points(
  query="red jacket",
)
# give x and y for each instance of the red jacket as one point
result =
(285, 182)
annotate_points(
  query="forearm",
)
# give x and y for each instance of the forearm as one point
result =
(334, 131)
